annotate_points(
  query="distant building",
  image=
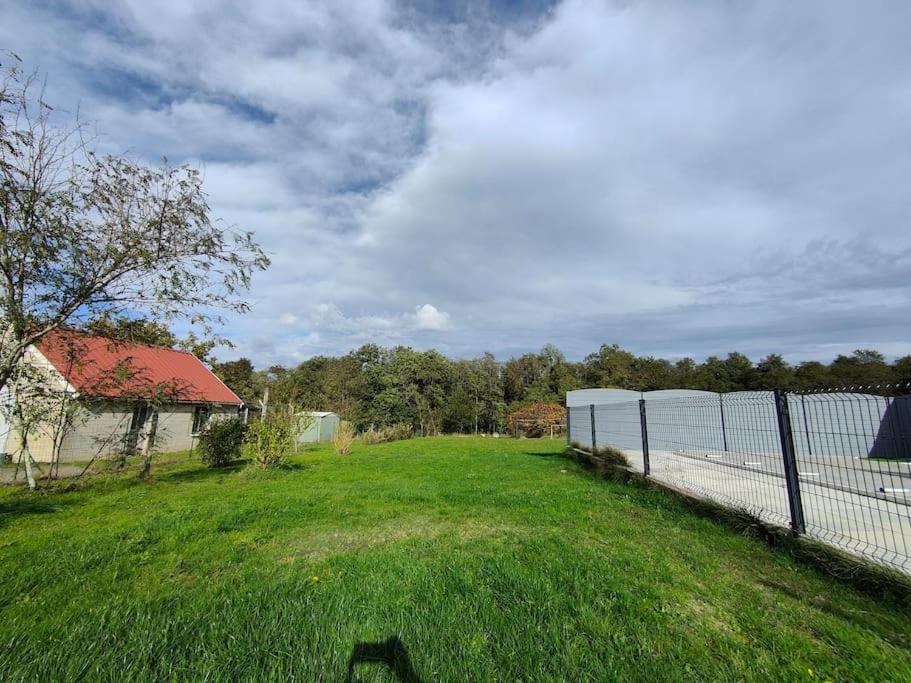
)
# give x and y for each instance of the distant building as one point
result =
(315, 427)
(121, 397)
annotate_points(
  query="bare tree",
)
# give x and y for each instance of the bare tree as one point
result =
(39, 407)
(83, 235)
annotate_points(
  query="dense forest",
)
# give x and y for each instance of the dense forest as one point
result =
(380, 386)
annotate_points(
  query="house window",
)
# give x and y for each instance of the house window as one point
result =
(200, 416)
(137, 425)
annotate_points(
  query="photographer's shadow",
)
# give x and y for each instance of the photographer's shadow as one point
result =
(390, 652)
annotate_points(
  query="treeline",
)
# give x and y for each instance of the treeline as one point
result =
(373, 386)
(379, 386)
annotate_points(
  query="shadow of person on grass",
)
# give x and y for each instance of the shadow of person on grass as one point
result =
(17, 507)
(390, 652)
(202, 472)
(545, 454)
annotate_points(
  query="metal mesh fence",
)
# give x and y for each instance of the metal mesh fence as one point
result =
(619, 425)
(854, 470)
(833, 465)
(580, 426)
(734, 465)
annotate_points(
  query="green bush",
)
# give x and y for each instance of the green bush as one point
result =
(270, 441)
(220, 441)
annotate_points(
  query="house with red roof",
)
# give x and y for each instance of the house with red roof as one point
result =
(120, 397)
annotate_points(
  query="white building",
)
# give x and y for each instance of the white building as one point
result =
(120, 398)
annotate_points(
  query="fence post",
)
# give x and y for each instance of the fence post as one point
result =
(806, 425)
(724, 431)
(643, 423)
(569, 440)
(591, 408)
(795, 504)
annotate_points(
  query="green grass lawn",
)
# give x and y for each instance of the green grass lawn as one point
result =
(486, 559)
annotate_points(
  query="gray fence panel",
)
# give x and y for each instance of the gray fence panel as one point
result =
(851, 425)
(580, 426)
(618, 426)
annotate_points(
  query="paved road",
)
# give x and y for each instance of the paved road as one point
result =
(861, 506)
(7, 472)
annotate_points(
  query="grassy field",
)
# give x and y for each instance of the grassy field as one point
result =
(438, 559)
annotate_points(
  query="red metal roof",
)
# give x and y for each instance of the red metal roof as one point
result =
(97, 366)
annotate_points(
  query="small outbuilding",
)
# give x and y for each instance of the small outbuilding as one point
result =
(316, 427)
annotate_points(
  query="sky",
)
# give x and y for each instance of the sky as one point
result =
(681, 179)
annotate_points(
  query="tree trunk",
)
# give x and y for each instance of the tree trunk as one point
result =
(29, 473)
(57, 438)
(148, 447)
(146, 471)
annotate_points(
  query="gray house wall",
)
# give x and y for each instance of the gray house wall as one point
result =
(99, 428)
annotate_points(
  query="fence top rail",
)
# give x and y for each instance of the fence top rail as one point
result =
(895, 390)
(764, 398)
(680, 401)
(857, 393)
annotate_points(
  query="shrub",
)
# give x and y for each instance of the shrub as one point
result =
(537, 419)
(220, 441)
(613, 456)
(344, 435)
(395, 432)
(372, 436)
(270, 440)
(400, 431)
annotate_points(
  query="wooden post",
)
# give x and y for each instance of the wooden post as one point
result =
(264, 402)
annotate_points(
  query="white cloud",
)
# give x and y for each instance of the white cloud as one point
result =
(328, 316)
(427, 317)
(674, 179)
(288, 319)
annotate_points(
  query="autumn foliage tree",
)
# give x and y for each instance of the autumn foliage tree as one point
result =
(537, 419)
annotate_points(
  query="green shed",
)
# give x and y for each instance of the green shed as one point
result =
(321, 427)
